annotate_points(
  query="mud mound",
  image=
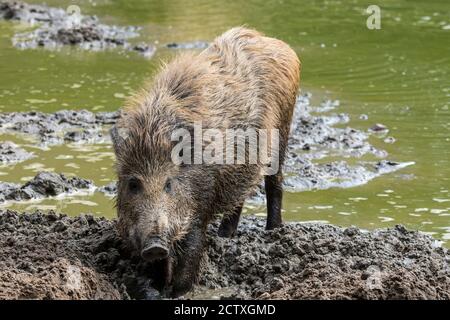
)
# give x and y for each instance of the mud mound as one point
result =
(41, 258)
(317, 133)
(12, 153)
(59, 127)
(319, 261)
(188, 45)
(58, 257)
(44, 184)
(58, 27)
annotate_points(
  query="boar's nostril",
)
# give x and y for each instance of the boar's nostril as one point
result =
(154, 252)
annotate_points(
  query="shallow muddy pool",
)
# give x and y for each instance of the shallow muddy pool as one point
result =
(398, 76)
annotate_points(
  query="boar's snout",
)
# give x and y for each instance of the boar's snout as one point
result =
(155, 249)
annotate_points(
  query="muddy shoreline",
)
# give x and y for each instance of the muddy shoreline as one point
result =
(52, 256)
(317, 132)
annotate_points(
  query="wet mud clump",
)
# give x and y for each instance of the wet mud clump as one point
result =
(317, 133)
(59, 127)
(337, 174)
(53, 256)
(42, 258)
(12, 153)
(109, 190)
(188, 45)
(58, 27)
(44, 184)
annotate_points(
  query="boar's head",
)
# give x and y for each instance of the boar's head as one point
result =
(157, 201)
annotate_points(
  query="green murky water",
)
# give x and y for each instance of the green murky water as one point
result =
(398, 76)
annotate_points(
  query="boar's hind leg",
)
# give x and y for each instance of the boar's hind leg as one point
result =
(274, 195)
(229, 223)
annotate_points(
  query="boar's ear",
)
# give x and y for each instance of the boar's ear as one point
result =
(118, 136)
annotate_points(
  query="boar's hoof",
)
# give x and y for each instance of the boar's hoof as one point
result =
(155, 252)
(273, 225)
(226, 231)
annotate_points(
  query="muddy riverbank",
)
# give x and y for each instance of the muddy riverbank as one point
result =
(52, 256)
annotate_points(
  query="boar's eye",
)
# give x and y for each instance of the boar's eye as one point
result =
(168, 186)
(134, 185)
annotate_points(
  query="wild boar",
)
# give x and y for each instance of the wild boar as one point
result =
(243, 80)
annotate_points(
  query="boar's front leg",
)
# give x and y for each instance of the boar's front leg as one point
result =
(274, 195)
(230, 223)
(188, 260)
